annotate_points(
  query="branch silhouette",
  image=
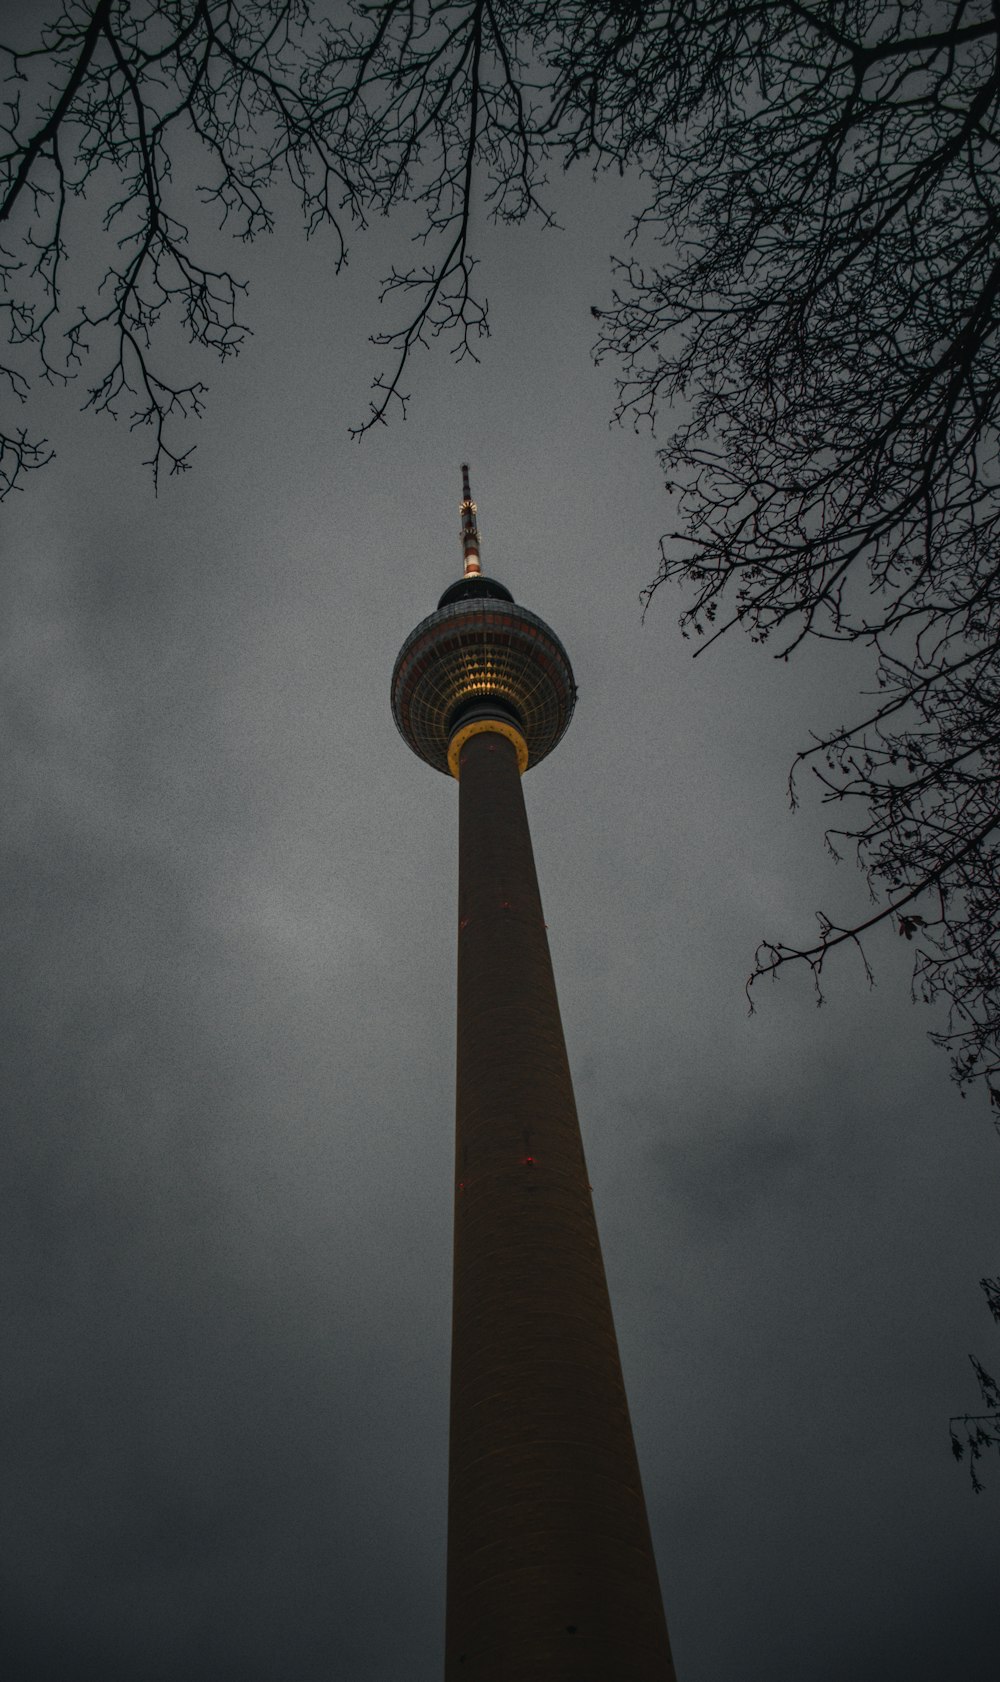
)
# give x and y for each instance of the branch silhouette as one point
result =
(804, 311)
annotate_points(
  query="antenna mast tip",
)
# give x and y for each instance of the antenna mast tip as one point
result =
(470, 530)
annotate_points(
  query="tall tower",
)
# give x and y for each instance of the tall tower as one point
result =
(551, 1576)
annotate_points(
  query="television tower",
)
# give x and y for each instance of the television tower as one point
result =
(551, 1575)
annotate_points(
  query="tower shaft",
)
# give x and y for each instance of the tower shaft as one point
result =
(551, 1576)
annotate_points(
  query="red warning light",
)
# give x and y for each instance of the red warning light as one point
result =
(528, 1161)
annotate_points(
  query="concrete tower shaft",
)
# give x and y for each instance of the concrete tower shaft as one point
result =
(551, 1575)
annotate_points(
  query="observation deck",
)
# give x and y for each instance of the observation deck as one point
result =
(481, 662)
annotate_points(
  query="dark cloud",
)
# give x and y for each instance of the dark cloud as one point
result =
(227, 1020)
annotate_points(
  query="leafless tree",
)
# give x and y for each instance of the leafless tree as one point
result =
(812, 285)
(975, 1434)
(111, 102)
(829, 301)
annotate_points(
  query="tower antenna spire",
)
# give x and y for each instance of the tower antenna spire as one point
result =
(470, 531)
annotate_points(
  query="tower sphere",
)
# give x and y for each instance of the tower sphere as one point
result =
(481, 662)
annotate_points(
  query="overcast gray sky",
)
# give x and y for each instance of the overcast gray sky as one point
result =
(228, 999)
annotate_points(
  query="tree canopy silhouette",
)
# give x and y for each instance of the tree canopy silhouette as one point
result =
(805, 314)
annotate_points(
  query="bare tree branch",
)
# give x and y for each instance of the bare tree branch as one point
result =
(976, 1433)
